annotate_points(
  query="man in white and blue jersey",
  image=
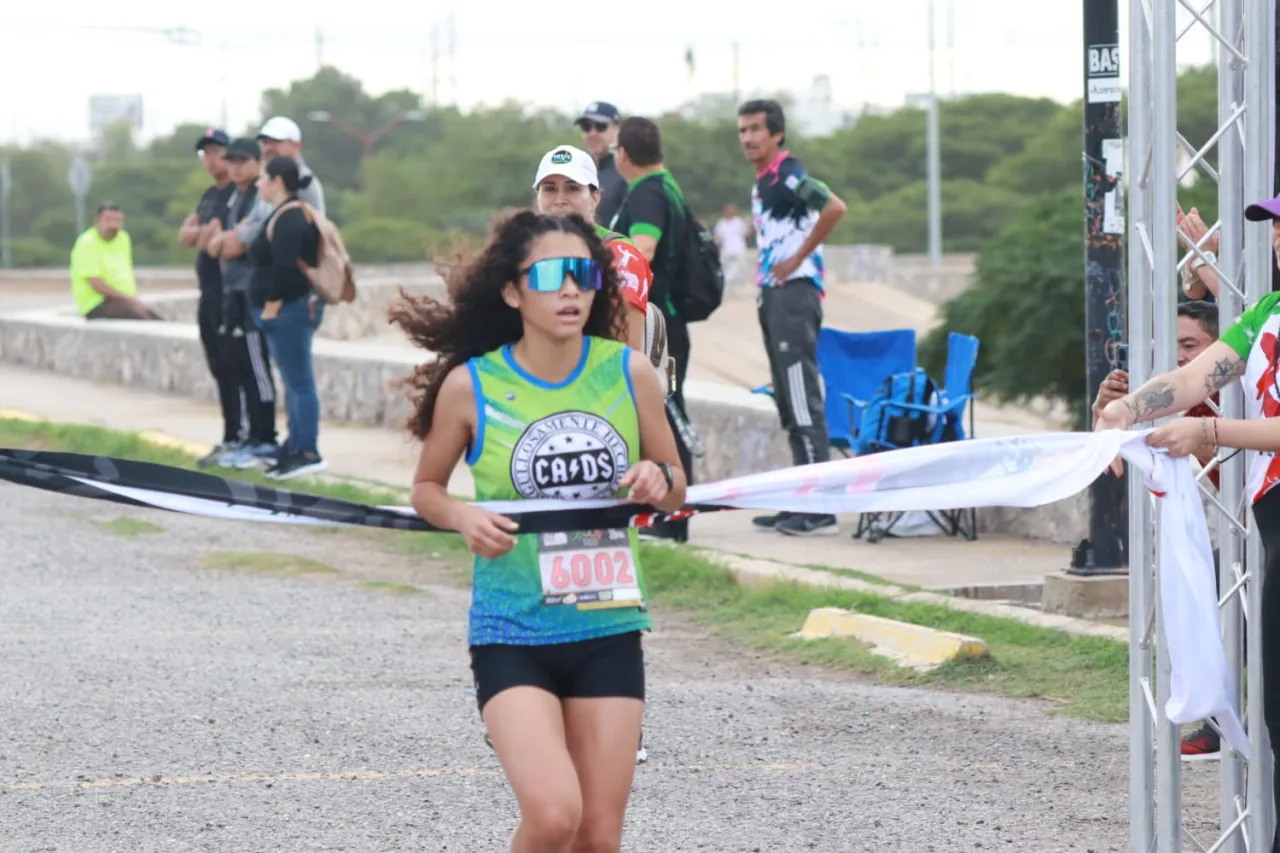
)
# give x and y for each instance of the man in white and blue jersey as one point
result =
(793, 213)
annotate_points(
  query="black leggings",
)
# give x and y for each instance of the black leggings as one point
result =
(1266, 513)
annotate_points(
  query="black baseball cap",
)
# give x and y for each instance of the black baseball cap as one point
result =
(213, 136)
(243, 149)
(601, 111)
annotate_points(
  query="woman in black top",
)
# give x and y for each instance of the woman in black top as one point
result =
(287, 311)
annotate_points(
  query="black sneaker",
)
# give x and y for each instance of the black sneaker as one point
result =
(660, 532)
(295, 465)
(1202, 744)
(809, 525)
(770, 522)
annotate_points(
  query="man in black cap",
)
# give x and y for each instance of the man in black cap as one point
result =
(599, 125)
(196, 231)
(246, 362)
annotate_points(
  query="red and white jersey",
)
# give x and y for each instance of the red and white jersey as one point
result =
(634, 274)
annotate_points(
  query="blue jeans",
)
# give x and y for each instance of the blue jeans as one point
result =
(289, 335)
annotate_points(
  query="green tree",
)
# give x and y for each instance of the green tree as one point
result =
(1052, 159)
(1026, 306)
(336, 154)
(972, 213)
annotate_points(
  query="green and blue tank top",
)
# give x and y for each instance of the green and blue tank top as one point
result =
(571, 440)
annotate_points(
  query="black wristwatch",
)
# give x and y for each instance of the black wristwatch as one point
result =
(665, 468)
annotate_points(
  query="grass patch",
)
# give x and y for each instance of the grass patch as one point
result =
(1086, 677)
(266, 562)
(390, 588)
(129, 528)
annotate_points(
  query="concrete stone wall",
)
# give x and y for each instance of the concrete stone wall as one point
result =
(356, 381)
(851, 264)
(364, 317)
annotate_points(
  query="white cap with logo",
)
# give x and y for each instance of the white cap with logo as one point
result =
(572, 163)
(281, 129)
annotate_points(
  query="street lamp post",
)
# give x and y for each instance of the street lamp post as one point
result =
(367, 140)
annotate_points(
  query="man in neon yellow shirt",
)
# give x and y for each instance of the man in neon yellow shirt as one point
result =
(102, 282)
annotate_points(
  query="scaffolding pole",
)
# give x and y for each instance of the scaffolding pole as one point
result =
(1240, 157)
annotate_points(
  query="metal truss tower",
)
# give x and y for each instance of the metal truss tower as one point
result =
(1239, 156)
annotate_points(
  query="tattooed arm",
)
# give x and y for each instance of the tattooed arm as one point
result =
(1177, 391)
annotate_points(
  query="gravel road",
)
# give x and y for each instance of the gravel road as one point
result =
(151, 704)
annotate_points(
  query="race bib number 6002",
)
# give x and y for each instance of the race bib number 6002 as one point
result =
(591, 569)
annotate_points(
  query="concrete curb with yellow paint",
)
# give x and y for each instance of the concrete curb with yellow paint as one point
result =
(914, 646)
(160, 439)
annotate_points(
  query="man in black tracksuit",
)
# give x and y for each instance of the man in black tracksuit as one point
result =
(196, 231)
(793, 214)
(243, 348)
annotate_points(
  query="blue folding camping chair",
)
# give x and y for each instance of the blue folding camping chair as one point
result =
(947, 416)
(853, 366)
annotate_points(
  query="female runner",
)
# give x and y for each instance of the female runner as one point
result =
(531, 387)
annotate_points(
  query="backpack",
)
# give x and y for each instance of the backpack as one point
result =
(885, 425)
(331, 278)
(703, 277)
(655, 346)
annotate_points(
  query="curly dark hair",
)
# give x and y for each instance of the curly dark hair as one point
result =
(476, 320)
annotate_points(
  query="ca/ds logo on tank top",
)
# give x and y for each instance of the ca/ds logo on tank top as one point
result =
(569, 455)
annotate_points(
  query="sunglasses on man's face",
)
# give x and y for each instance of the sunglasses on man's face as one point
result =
(597, 126)
(548, 274)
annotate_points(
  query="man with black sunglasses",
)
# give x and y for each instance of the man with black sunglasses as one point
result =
(599, 125)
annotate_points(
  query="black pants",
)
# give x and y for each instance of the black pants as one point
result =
(209, 319)
(1266, 514)
(246, 387)
(790, 318)
(120, 309)
(678, 346)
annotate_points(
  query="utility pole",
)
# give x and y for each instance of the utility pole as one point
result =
(222, 79)
(435, 66)
(934, 154)
(1105, 290)
(951, 45)
(6, 213)
(453, 59)
(737, 75)
(319, 48)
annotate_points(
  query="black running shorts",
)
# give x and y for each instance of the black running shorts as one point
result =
(588, 669)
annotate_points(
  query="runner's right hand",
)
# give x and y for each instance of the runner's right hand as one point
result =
(488, 534)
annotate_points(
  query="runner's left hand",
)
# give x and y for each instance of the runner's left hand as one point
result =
(648, 486)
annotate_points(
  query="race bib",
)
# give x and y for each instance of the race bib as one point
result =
(592, 569)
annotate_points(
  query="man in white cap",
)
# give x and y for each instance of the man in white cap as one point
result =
(281, 137)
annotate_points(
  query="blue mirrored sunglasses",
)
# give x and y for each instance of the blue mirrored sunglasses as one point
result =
(548, 274)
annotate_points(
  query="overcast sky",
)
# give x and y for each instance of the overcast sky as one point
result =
(54, 55)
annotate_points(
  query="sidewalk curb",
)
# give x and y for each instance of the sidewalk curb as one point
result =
(914, 646)
(750, 572)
